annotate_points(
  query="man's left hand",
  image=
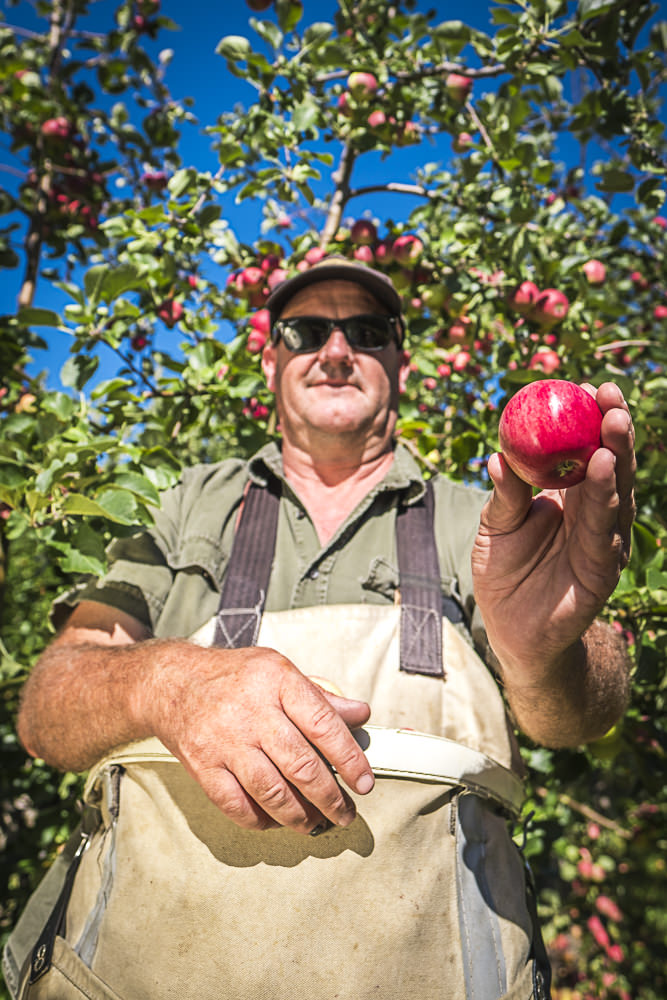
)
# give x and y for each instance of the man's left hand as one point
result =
(544, 566)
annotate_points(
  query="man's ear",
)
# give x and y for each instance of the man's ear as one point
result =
(269, 362)
(403, 370)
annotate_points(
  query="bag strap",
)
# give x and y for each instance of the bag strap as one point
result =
(421, 597)
(246, 581)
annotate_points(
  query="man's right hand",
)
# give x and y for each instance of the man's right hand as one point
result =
(260, 737)
(257, 735)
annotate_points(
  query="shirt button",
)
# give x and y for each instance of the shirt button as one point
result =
(313, 574)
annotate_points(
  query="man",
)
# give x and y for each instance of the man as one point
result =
(261, 738)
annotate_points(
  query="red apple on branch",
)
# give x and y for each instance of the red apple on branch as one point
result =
(57, 128)
(551, 307)
(548, 432)
(523, 297)
(458, 86)
(595, 272)
(406, 248)
(363, 232)
(170, 312)
(362, 85)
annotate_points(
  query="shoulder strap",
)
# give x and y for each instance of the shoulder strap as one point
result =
(421, 596)
(247, 579)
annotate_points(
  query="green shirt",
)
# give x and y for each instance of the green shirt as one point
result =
(170, 576)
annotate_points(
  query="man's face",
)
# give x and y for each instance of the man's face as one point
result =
(336, 390)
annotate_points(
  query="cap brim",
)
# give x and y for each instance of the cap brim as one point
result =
(378, 284)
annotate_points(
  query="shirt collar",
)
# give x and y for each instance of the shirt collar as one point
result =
(404, 475)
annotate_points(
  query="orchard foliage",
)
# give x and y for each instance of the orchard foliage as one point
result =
(529, 240)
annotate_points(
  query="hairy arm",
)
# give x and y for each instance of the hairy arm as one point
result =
(576, 698)
(246, 723)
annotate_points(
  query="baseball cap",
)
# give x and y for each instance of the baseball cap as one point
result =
(335, 268)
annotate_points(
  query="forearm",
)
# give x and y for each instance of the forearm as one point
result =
(577, 696)
(81, 700)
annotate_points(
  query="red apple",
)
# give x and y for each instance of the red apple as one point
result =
(314, 255)
(462, 142)
(660, 312)
(524, 297)
(261, 321)
(595, 272)
(458, 87)
(406, 248)
(155, 180)
(57, 128)
(251, 279)
(376, 119)
(362, 85)
(365, 254)
(170, 312)
(548, 432)
(551, 307)
(259, 5)
(545, 359)
(363, 232)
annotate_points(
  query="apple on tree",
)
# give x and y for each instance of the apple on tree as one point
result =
(362, 85)
(170, 312)
(523, 297)
(551, 307)
(458, 87)
(595, 272)
(363, 233)
(548, 433)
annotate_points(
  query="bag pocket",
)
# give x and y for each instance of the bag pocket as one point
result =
(67, 979)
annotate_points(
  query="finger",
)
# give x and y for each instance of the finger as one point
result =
(297, 786)
(323, 727)
(618, 435)
(225, 791)
(354, 713)
(507, 507)
(597, 549)
(270, 774)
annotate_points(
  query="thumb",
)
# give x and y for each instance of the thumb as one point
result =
(509, 503)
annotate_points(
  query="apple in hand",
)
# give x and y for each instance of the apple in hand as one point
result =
(548, 432)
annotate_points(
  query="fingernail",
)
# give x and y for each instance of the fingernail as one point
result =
(320, 828)
(365, 783)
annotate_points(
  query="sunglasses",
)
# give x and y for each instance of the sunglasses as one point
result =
(302, 334)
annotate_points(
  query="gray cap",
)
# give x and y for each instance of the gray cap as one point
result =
(337, 269)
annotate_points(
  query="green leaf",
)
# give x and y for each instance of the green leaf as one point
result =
(233, 47)
(121, 279)
(116, 507)
(269, 31)
(306, 114)
(615, 180)
(93, 283)
(139, 485)
(78, 369)
(593, 8)
(39, 317)
(182, 181)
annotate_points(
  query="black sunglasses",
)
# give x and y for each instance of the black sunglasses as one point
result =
(301, 334)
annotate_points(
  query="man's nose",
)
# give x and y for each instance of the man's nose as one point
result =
(336, 347)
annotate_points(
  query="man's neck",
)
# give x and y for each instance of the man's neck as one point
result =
(331, 486)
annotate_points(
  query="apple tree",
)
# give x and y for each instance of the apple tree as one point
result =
(511, 180)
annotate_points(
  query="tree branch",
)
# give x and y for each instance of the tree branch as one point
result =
(341, 194)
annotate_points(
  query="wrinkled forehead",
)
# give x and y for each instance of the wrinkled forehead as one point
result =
(333, 299)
